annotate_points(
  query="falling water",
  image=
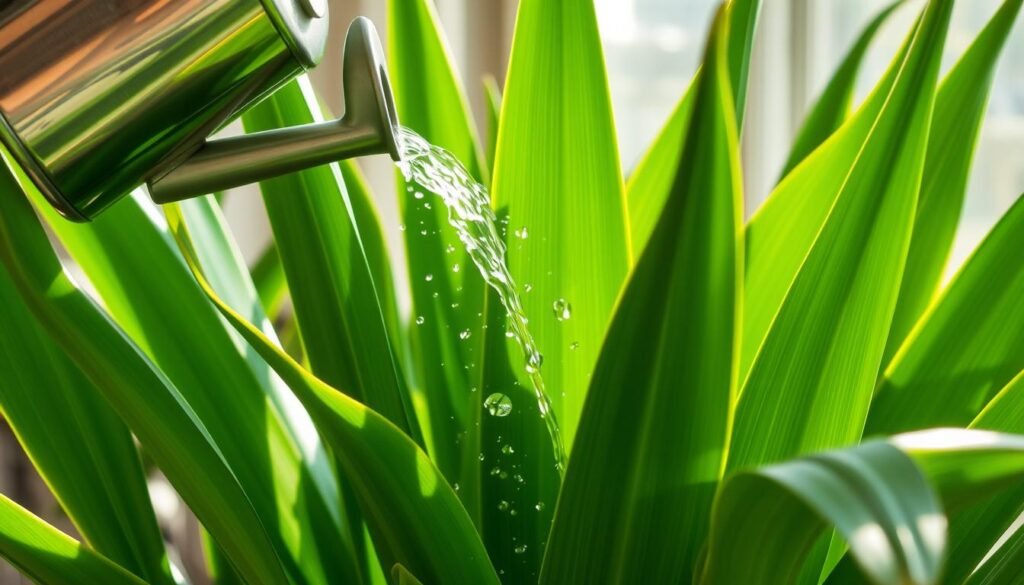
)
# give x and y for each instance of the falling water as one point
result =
(470, 213)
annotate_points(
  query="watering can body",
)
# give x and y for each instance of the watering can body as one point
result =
(100, 96)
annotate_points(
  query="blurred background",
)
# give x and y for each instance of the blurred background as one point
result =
(652, 48)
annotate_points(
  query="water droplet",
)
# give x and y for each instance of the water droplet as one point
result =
(495, 471)
(456, 268)
(420, 320)
(466, 334)
(513, 512)
(539, 506)
(519, 478)
(527, 287)
(498, 404)
(428, 277)
(481, 457)
(418, 194)
(503, 505)
(423, 232)
(503, 474)
(534, 363)
(456, 487)
(450, 249)
(436, 294)
(507, 450)
(563, 310)
(574, 345)
(427, 205)
(522, 233)
(521, 549)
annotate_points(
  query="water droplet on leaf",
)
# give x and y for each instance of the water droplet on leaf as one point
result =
(498, 404)
(563, 310)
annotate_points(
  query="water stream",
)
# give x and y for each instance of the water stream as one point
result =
(471, 215)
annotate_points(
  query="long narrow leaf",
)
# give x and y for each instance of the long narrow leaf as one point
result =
(959, 112)
(45, 555)
(447, 292)
(812, 381)
(334, 292)
(77, 443)
(783, 230)
(766, 520)
(967, 347)
(558, 177)
(415, 517)
(833, 107)
(638, 490)
(151, 406)
(184, 335)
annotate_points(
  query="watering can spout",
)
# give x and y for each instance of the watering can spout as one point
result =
(369, 126)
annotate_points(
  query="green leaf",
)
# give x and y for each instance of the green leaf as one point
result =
(784, 229)
(152, 407)
(45, 555)
(447, 291)
(316, 499)
(1005, 565)
(335, 295)
(833, 107)
(766, 520)
(638, 490)
(558, 175)
(493, 95)
(371, 233)
(415, 517)
(401, 576)
(811, 384)
(649, 186)
(959, 111)
(268, 276)
(185, 336)
(77, 443)
(744, 18)
(967, 346)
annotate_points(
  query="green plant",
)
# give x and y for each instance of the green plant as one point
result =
(721, 385)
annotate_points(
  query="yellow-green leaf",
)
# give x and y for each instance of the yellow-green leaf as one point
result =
(810, 386)
(637, 495)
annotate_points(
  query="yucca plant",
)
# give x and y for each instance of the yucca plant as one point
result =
(743, 403)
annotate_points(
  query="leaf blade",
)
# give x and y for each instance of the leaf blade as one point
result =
(634, 503)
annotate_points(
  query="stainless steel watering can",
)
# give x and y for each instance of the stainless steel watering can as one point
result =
(100, 96)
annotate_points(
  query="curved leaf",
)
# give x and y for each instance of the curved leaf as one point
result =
(784, 229)
(77, 443)
(450, 299)
(334, 289)
(810, 387)
(638, 489)
(959, 111)
(967, 347)
(45, 555)
(766, 520)
(558, 176)
(151, 406)
(649, 186)
(178, 328)
(833, 107)
(415, 517)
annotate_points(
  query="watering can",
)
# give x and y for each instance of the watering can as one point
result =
(98, 97)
